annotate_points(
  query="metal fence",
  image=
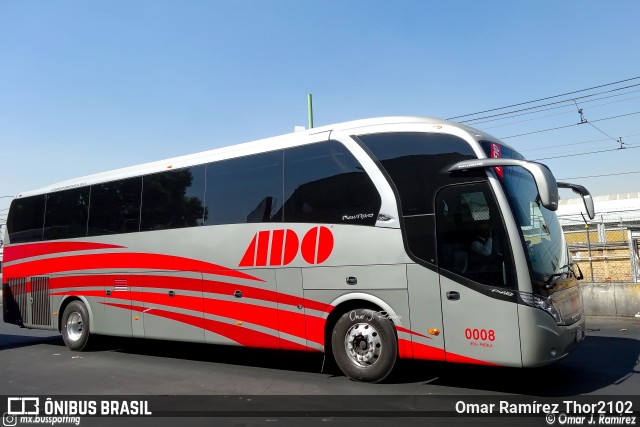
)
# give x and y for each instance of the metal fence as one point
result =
(606, 248)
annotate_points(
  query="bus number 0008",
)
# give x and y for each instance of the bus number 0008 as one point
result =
(480, 334)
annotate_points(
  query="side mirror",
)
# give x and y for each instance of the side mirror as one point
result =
(544, 179)
(586, 197)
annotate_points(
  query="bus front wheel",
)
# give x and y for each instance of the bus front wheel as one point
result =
(75, 326)
(364, 345)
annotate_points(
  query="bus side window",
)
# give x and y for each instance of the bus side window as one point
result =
(173, 199)
(245, 189)
(66, 214)
(471, 236)
(325, 183)
(115, 207)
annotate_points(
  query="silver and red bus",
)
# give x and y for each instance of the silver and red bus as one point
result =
(373, 240)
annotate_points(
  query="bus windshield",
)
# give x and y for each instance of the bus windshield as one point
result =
(540, 228)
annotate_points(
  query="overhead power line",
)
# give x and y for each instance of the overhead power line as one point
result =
(563, 145)
(574, 143)
(583, 119)
(599, 176)
(537, 108)
(583, 96)
(628, 147)
(541, 131)
(568, 126)
(570, 111)
(546, 98)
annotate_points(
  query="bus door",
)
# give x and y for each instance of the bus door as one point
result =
(477, 280)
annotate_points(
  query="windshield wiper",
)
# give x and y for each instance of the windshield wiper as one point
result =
(549, 285)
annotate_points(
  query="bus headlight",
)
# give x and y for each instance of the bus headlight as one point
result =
(545, 304)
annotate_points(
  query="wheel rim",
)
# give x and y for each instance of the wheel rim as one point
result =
(74, 326)
(363, 345)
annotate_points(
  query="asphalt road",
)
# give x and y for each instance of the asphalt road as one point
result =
(36, 363)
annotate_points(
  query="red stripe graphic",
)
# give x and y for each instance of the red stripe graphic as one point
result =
(239, 334)
(75, 282)
(265, 295)
(13, 253)
(404, 349)
(85, 293)
(123, 261)
(187, 284)
(427, 352)
(263, 316)
(315, 329)
(251, 338)
(401, 329)
(287, 322)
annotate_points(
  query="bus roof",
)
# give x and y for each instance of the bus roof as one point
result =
(247, 148)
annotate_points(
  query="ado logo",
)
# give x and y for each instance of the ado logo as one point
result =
(280, 247)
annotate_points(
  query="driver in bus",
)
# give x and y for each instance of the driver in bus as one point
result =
(482, 243)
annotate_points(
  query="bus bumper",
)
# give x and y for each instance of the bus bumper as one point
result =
(543, 341)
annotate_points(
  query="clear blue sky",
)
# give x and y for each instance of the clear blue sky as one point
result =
(92, 86)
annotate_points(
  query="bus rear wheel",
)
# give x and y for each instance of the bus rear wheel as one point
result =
(75, 326)
(364, 345)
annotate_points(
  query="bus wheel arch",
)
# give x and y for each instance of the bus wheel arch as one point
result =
(362, 342)
(68, 300)
(75, 323)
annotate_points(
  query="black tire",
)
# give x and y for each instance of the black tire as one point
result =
(75, 326)
(364, 345)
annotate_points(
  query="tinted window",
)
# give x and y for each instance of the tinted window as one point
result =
(324, 183)
(420, 235)
(246, 189)
(115, 207)
(66, 214)
(472, 241)
(25, 220)
(416, 163)
(173, 199)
